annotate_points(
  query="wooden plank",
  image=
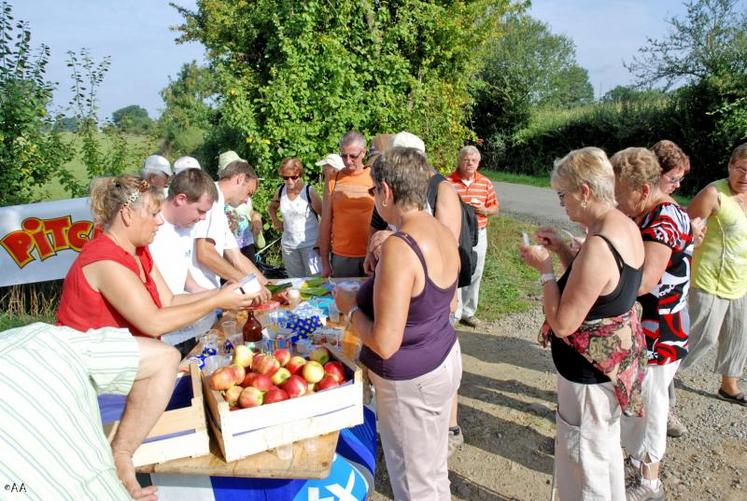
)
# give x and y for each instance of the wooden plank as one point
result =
(311, 459)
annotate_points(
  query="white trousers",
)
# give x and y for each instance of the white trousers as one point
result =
(468, 296)
(645, 438)
(413, 418)
(299, 263)
(588, 456)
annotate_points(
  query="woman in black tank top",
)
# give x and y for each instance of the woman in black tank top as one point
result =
(597, 345)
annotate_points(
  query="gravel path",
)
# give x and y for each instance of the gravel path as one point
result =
(507, 405)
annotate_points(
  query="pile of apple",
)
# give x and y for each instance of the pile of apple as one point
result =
(256, 379)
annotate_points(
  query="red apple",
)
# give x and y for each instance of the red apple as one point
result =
(313, 372)
(320, 355)
(265, 364)
(276, 395)
(249, 378)
(336, 370)
(232, 394)
(283, 356)
(295, 386)
(238, 373)
(262, 382)
(250, 397)
(328, 381)
(222, 379)
(280, 376)
(295, 364)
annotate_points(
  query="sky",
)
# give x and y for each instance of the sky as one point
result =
(144, 54)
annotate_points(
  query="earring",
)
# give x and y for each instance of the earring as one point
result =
(583, 204)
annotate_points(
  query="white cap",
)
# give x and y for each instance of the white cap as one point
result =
(227, 157)
(407, 140)
(332, 159)
(184, 163)
(156, 164)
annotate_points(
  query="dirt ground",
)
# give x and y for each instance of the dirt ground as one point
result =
(507, 406)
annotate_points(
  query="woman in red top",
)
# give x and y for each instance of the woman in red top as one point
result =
(114, 283)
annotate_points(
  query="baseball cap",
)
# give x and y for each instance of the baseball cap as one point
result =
(184, 163)
(156, 164)
(226, 158)
(406, 139)
(332, 159)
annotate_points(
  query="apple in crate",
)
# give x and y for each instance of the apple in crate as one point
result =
(265, 364)
(250, 397)
(280, 376)
(313, 372)
(222, 379)
(336, 370)
(262, 382)
(283, 356)
(232, 394)
(295, 386)
(328, 381)
(242, 356)
(276, 395)
(295, 364)
(320, 355)
(238, 373)
(249, 379)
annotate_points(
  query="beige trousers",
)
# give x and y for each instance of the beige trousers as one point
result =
(413, 420)
(588, 456)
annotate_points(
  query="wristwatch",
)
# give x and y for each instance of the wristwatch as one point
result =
(547, 277)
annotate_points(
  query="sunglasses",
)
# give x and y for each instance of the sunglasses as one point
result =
(347, 156)
(290, 177)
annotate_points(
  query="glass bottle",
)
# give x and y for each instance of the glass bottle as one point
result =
(252, 329)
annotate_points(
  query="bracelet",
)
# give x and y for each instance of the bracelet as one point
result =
(547, 277)
(350, 313)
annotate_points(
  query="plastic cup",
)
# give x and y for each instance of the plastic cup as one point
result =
(229, 328)
(334, 314)
(214, 363)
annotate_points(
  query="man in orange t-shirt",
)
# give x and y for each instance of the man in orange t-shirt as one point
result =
(477, 191)
(346, 212)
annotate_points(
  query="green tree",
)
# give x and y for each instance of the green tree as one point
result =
(133, 119)
(627, 94)
(31, 150)
(189, 110)
(527, 67)
(294, 76)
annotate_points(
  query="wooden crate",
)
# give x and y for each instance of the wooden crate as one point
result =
(241, 433)
(180, 432)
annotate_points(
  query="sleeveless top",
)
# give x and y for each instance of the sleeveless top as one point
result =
(571, 364)
(428, 336)
(83, 308)
(300, 224)
(720, 261)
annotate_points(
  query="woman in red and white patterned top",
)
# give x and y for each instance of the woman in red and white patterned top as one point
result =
(667, 239)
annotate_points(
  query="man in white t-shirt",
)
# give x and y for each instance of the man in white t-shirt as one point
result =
(190, 196)
(216, 254)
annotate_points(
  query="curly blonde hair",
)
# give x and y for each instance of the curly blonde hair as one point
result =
(110, 194)
(637, 166)
(588, 165)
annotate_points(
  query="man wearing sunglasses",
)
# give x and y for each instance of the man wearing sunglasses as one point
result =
(346, 213)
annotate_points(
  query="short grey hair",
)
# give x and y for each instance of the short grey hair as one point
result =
(406, 172)
(468, 150)
(353, 137)
(588, 165)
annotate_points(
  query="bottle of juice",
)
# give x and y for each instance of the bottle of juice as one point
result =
(252, 329)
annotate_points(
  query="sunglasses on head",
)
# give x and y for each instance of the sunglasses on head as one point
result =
(290, 177)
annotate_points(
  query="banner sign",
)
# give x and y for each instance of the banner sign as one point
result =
(39, 242)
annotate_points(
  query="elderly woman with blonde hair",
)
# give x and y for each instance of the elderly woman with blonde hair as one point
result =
(667, 241)
(597, 345)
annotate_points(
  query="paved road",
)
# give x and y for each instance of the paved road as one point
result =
(539, 205)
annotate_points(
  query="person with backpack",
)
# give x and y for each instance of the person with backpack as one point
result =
(300, 206)
(477, 191)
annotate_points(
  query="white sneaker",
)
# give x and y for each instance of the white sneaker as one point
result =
(643, 492)
(675, 428)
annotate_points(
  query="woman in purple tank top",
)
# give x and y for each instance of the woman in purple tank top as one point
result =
(402, 316)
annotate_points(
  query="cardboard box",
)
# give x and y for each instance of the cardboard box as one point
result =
(181, 430)
(243, 432)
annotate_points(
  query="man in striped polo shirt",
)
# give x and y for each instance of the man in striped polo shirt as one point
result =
(52, 442)
(477, 191)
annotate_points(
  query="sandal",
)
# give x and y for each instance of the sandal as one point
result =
(739, 398)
